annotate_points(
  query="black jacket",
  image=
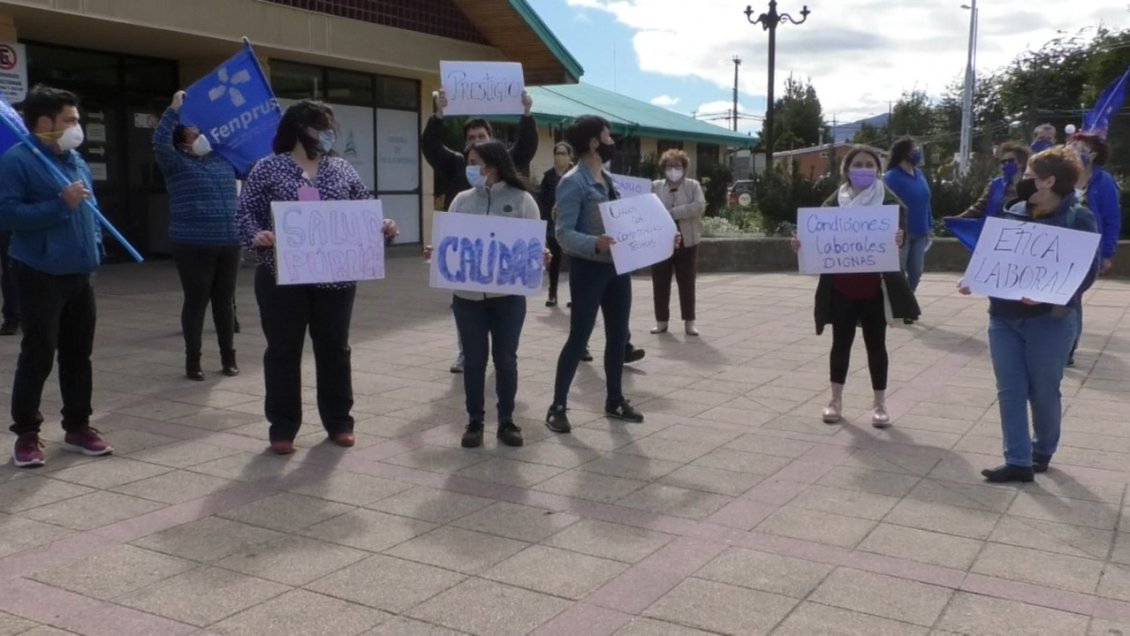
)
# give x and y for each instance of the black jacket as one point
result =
(450, 166)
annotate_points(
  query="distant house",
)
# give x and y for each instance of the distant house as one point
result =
(818, 161)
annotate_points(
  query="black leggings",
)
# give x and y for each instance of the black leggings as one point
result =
(846, 314)
(554, 265)
(207, 274)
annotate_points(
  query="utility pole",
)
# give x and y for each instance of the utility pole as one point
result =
(965, 151)
(769, 22)
(737, 63)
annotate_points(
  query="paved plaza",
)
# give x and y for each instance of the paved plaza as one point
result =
(731, 510)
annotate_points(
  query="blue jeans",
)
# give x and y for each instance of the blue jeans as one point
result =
(913, 258)
(595, 287)
(490, 327)
(1029, 356)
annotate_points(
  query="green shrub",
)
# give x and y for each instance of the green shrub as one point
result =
(715, 185)
(719, 226)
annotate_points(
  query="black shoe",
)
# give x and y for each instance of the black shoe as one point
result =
(632, 354)
(586, 355)
(569, 304)
(557, 421)
(9, 328)
(623, 411)
(552, 302)
(473, 436)
(231, 369)
(908, 321)
(192, 369)
(509, 433)
(235, 326)
(1007, 472)
(1070, 361)
(1040, 462)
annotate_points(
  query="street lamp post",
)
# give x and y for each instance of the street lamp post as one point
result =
(769, 22)
(966, 149)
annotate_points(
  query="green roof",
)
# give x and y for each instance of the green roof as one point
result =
(572, 66)
(559, 105)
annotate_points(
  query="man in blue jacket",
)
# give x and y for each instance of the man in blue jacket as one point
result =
(56, 246)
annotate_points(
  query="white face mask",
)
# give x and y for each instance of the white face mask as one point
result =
(201, 146)
(71, 138)
(674, 175)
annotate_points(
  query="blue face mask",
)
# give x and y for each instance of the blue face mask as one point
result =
(476, 177)
(326, 141)
(1009, 169)
(915, 157)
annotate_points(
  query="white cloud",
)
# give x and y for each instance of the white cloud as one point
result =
(859, 54)
(666, 101)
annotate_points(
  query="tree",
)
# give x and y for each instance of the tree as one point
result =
(913, 114)
(870, 135)
(798, 117)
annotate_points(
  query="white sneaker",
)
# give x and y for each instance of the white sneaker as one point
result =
(690, 328)
(660, 327)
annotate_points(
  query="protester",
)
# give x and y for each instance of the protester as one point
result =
(1097, 190)
(547, 198)
(848, 300)
(909, 184)
(302, 164)
(56, 246)
(1030, 341)
(684, 199)
(1044, 138)
(450, 165)
(594, 284)
(10, 309)
(205, 241)
(1001, 191)
(491, 324)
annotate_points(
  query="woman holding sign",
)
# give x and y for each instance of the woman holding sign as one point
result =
(302, 169)
(1029, 341)
(683, 198)
(849, 300)
(594, 285)
(490, 325)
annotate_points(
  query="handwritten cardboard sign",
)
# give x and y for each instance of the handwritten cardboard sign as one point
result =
(490, 254)
(1044, 263)
(328, 241)
(631, 186)
(643, 229)
(848, 240)
(483, 88)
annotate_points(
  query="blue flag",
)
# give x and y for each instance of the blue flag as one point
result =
(1098, 120)
(235, 109)
(965, 230)
(13, 127)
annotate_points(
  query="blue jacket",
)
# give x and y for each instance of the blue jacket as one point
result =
(202, 199)
(579, 223)
(1104, 200)
(47, 234)
(1079, 219)
(915, 193)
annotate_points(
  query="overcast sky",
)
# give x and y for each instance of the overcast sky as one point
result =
(859, 54)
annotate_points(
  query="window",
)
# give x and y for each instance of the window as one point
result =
(346, 87)
(397, 92)
(707, 157)
(627, 159)
(667, 144)
(297, 81)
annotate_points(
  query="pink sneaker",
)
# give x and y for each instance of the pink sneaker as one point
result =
(88, 442)
(27, 452)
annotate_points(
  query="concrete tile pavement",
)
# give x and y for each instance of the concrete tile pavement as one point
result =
(731, 510)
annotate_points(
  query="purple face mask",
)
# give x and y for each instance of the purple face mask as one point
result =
(862, 178)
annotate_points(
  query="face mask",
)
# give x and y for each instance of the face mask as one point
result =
(560, 162)
(862, 178)
(1009, 170)
(71, 138)
(326, 141)
(201, 146)
(606, 152)
(476, 177)
(1086, 159)
(674, 175)
(916, 157)
(1026, 188)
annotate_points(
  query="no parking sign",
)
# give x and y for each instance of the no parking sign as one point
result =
(13, 71)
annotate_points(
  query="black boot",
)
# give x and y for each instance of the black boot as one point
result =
(509, 433)
(228, 361)
(1007, 472)
(1040, 462)
(192, 369)
(473, 436)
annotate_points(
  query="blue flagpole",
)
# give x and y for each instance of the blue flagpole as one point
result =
(64, 182)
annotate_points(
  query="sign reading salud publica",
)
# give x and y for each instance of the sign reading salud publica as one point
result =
(1044, 263)
(489, 254)
(837, 240)
(483, 88)
(328, 241)
(643, 230)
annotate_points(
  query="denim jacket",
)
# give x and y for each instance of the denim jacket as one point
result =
(577, 213)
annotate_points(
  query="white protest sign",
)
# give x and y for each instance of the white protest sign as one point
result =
(13, 71)
(841, 240)
(328, 241)
(1044, 263)
(489, 254)
(631, 186)
(643, 229)
(482, 88)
